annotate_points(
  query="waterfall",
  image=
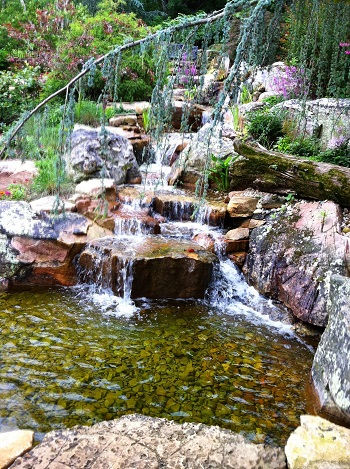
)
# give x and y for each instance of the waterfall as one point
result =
(229, 293)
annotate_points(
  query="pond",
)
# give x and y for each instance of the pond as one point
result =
(67, 358)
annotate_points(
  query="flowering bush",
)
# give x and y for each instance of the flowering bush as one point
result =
(13, 192)
(291, 82)
(17, 90)
(347, 45)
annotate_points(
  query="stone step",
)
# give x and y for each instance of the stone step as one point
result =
(157, 267)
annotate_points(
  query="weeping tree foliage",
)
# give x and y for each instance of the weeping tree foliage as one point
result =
(184, 44)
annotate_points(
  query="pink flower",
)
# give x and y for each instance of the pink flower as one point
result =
(8, 193)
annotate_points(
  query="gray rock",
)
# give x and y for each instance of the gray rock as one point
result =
(331, 366)
(193, 160)
(94, 155)
(323, 118)
(136, 441)
(292, 256)
(318, 444)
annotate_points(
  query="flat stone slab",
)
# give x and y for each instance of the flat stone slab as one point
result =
(14, 444)
(156, 267)
(137, 441)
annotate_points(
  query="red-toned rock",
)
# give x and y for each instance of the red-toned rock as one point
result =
(238, 258)
(292, 256)
(205, 240)
(16, 172)
(157, 267)
(237, 240)
(40, 249)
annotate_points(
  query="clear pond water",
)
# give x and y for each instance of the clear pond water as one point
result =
(66, 359)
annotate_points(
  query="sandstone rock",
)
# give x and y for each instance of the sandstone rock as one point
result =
(123, 119)
(95, 187)
(87, 160)
(255, 223)
(242, 206)
(16, 172)
(47, 204)
(137, 441)
(292, 255)
(331, 366)
(194, 112)
(40, 249)
(205, 240)
(237, 234)
(158, 267)
(238, 258)
(318, 444)
(14, 444)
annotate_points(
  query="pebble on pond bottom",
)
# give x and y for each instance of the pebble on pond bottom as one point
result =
(65, 363)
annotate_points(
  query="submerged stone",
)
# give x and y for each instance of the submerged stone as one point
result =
(155, 267)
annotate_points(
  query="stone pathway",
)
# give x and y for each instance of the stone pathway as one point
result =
(137, 441)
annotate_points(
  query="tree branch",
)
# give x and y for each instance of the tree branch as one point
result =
(171, 29)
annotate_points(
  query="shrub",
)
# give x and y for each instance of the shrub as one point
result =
(91, 113)
(337, 155)
(291, 82)
(305, 147)
(17, 90)
(51, 172)
(265, 125)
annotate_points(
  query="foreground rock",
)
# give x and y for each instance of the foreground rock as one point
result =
(156, 266)
(292, 256)
(14, 444)
(331, 366)
(39, 249)
(318, 444)
(94, 156)
(136, 441)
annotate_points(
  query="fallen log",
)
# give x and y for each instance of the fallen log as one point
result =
(275, 172)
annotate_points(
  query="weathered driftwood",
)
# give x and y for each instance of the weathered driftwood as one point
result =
(278, 173)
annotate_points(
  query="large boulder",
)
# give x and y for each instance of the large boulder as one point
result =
(331, 366)
(325, 118)
(105, 154)
(39, 248)
(137, 441)
(318, 444)
(292, 256)
(152, 267)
